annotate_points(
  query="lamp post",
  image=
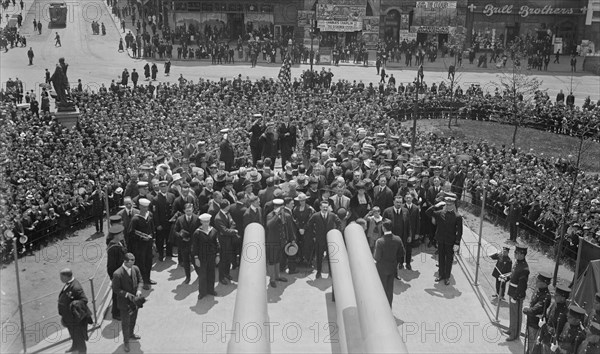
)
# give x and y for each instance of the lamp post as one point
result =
(11, 236)
(312, 37)
(418, 83)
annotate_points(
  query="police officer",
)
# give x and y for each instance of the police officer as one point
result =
(503, 266)
(556, 315)
(540, 301)
(591, 344)
(517, 287)
(448, 234)
(594, 316)
(572, 334)
(115, 255)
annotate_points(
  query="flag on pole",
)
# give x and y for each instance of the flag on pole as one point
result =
(285, 74)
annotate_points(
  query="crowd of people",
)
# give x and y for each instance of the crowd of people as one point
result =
(53, 185)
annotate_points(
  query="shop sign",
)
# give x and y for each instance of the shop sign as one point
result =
(305, 18)
(436, 4)
(430, 29)
(524, 11)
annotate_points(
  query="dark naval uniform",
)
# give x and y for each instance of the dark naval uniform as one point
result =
(555, 318)
(570, 336)
(141, 230)
(540, 301)
(517, 288)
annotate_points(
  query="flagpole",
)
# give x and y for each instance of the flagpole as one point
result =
(289, 57)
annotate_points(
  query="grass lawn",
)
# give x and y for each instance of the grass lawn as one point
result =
(539, 142)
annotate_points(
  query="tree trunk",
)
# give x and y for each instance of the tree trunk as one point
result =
(514, 138)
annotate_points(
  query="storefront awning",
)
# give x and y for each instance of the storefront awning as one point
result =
(250, 17)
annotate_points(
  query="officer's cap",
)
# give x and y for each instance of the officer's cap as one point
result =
(521, 248)
(563, 290)
(577, 312)
(114, 219)
(545, 277)
(115, 229)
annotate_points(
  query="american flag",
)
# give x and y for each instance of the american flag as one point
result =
(285, 74)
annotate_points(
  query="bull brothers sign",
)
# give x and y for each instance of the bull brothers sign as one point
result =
(524, 11)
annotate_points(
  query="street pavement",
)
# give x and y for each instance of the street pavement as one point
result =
(95, 60)
(431, 317)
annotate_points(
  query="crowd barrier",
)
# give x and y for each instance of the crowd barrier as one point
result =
(377, 323)
(19, 333)
(250, 313)
(349, 333)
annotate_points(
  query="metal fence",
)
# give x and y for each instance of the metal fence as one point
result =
(19, 334)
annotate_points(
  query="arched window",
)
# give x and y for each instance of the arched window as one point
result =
(392, 25)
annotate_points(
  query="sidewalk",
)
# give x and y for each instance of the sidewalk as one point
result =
(437, 318)
(431, 317)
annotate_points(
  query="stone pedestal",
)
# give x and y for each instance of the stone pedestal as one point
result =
(68, 119)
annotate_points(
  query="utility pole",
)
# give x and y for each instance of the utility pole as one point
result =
(312, 37)
(415, 113)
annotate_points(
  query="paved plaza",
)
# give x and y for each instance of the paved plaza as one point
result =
(431, 317)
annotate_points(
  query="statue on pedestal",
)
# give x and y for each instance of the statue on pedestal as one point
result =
(60, 82)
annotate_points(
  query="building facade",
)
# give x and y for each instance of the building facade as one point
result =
(239, 17)
(503, 20)
(568, 22)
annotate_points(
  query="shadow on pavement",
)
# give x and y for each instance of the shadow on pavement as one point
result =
(446, 291)
(184, 290)
(400, 287)
(203, 306)
(164, 265)
(321, 284)
(274, 294)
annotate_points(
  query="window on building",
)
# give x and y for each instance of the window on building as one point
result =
(207, 6)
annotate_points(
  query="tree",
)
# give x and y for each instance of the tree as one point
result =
(518, 86)
(585, 127)
(456, 46)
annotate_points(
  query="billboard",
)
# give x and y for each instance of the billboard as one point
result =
(371, 24)
(305, 17)
(436, 13)
(341, 15)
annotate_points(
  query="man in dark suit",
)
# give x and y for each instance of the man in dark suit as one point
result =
(448, 234)
(253, 213)
(339, 200)
(266, 194)
(430, 200)
(287, 140)
(399, 217)
(389, 251)
(72, 291)
(228, 234)
(184, 228)
(126, 215)
(414, 227)
(382, 195)
(237, 211)
(227, 151)
(319, 224)
(127, 284)
(115, 255)
(162, 209)
(185, 197)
